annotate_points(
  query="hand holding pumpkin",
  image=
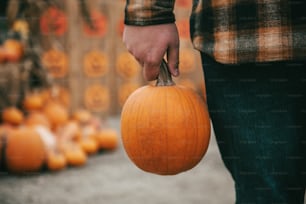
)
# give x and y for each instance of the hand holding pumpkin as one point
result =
(149, 44)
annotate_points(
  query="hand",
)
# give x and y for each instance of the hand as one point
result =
(149, 44)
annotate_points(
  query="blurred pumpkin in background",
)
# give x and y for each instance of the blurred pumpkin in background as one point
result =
(37, 118)
(74, 154)
(13, 50)
(33, 102)
(25, 151)
(56, 160)
(56, 113)
(12, 115)
(107, 139)
(53, 21)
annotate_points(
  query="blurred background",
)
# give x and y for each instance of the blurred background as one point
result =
(65, 75)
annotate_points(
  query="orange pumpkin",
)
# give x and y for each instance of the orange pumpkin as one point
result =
(33, 101)
(95, 64)
(165, 128)
(37, 118)
(13, 50)
(25, 151)
(127, 66)
(89, 145)
(82, 116)
(56, 113)
(56, 62)
(73, 153)
(107, 139)
(55, 160)
(53, 21)
(12, 115)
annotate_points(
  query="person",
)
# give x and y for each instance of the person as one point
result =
(253, 54)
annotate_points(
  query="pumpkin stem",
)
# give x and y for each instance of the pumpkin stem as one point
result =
(164, 77)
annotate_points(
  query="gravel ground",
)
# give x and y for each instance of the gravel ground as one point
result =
(110, 178)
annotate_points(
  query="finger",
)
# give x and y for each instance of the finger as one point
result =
(150, 72)
(173, 59)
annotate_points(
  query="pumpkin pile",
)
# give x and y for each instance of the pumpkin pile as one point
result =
(44, 135)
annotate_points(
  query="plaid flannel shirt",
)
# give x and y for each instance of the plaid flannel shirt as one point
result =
(235, 31)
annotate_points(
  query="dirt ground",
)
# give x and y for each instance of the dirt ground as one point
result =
(110, 178)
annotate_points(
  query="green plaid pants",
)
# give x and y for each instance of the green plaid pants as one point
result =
(258, 113)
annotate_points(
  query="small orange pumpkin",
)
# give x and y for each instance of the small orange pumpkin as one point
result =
(56, 113)
(12, 115)
(53, 21)
(37, 118)
(82, 116)
(25, 151)
(74, 154)
(165, 128)
(13, 50)
(89, 145)
(55, 160)
(32, 102)
(107, 139)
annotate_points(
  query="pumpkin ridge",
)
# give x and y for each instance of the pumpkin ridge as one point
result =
(154, 93)
(193, 112)
(199, 143)
(179, 93)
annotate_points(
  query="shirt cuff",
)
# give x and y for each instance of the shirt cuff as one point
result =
(161, 12)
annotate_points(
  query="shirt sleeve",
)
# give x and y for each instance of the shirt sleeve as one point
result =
(149, 12)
